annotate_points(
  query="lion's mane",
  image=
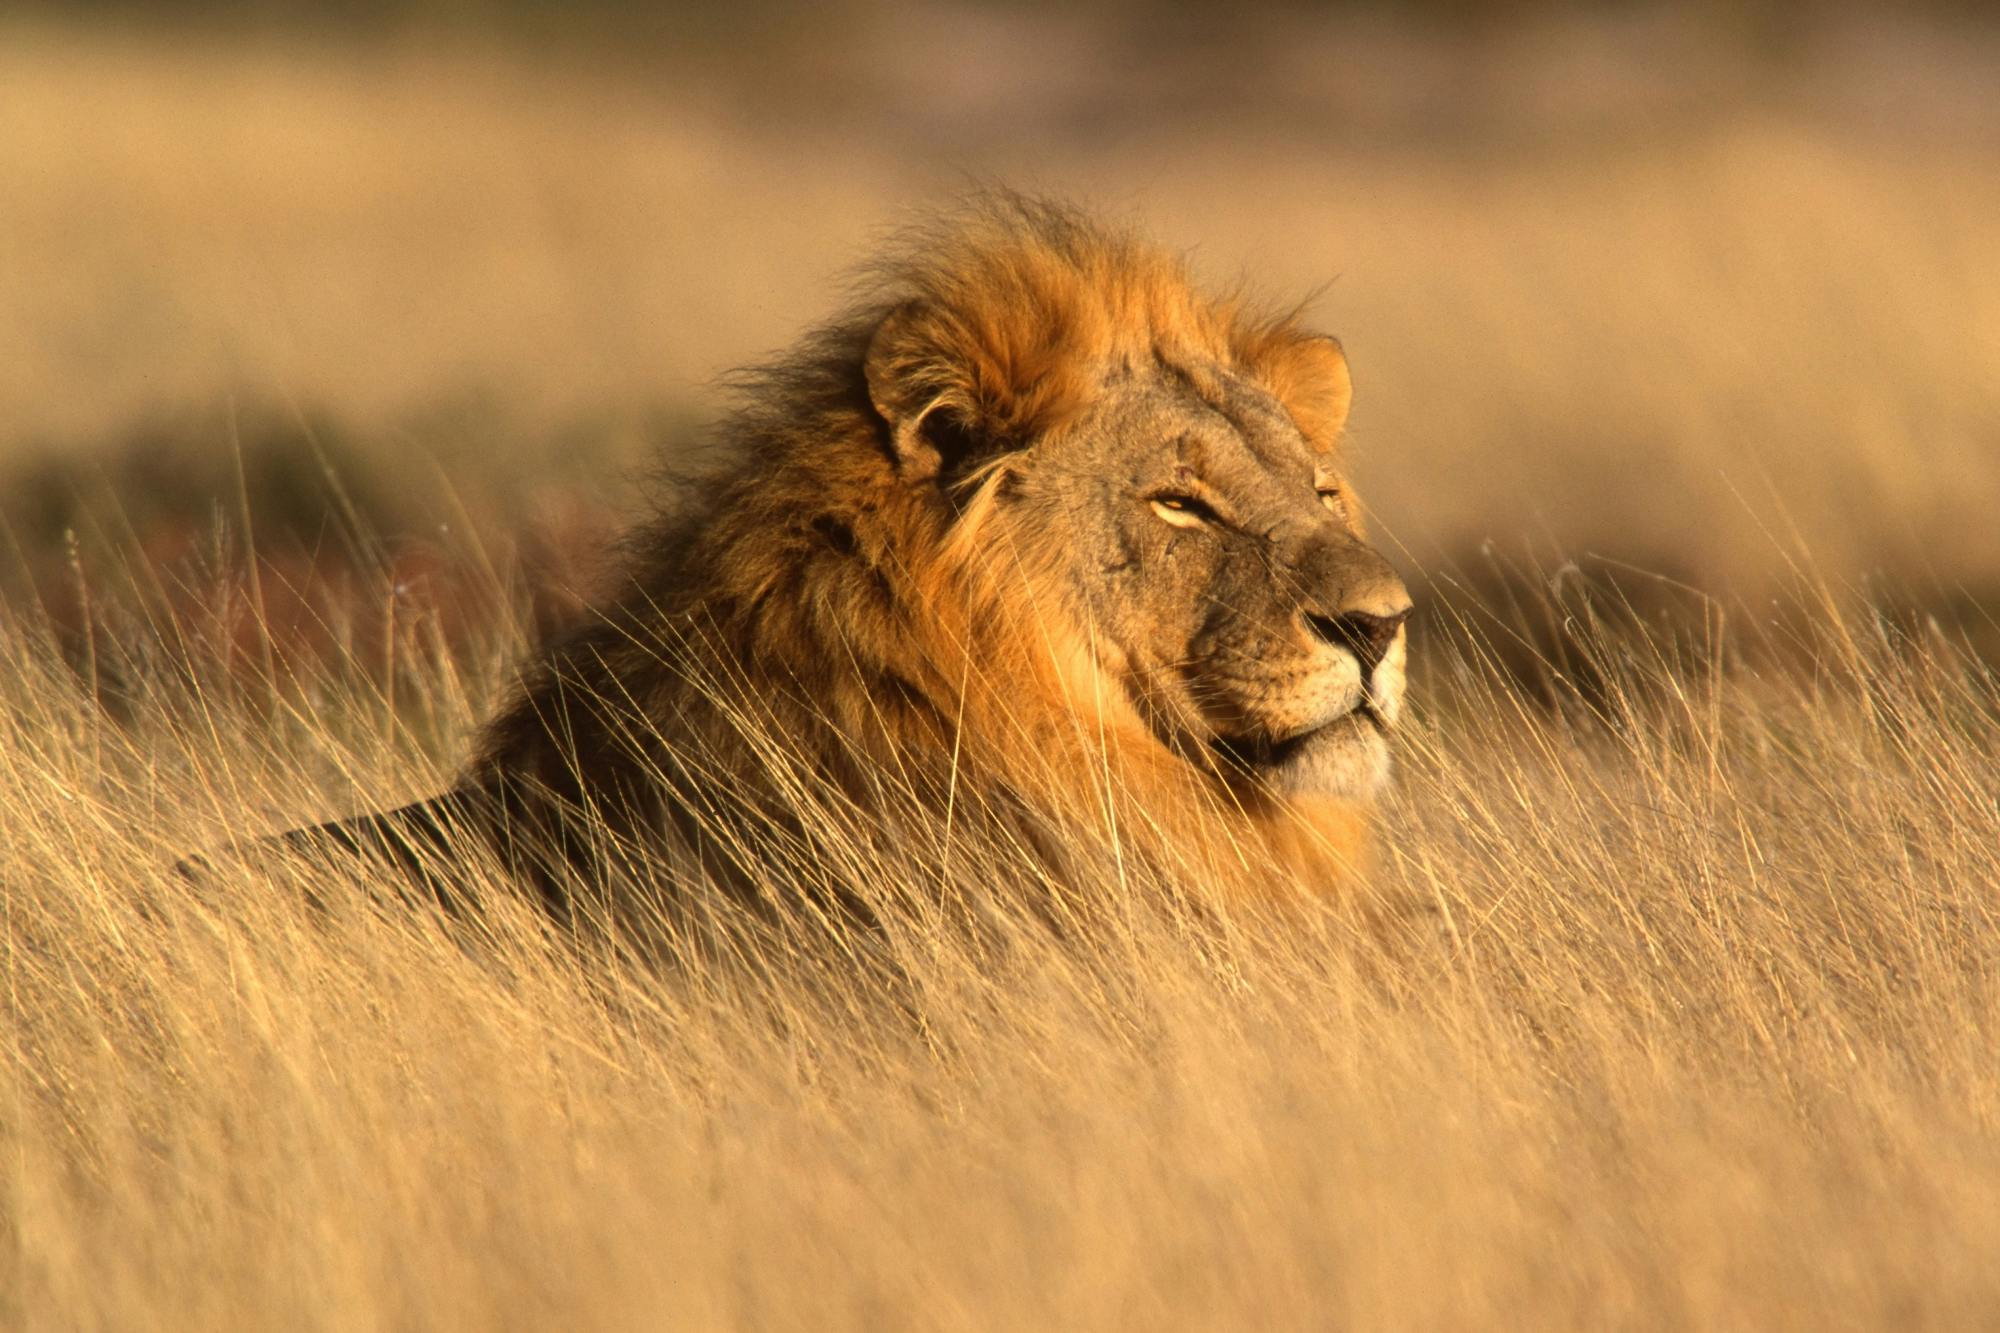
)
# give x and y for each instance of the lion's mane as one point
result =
(802, 615)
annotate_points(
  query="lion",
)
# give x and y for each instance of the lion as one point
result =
(1035, 531)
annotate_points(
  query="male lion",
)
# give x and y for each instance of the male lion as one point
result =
(1035, 533)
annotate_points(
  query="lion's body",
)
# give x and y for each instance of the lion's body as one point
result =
(911, 592)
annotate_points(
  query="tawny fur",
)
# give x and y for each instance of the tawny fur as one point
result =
(818, 611)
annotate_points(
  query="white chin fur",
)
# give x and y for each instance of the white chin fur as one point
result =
(1348, 759)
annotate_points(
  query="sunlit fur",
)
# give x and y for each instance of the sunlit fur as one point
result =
(915, 639)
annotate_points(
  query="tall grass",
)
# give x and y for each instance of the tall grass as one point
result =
(1679, 1010)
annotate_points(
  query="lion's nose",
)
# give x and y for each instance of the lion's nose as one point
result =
(1362, 633)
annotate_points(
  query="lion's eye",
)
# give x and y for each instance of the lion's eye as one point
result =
(1330, 497)
(1183, 511)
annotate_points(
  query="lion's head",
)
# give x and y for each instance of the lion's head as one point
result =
(1173, 464)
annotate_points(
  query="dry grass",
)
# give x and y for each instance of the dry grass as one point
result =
(1685, 1018)
(1685, 1010)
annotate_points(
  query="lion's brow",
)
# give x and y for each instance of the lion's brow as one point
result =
(1231, 463)
(1267, 431)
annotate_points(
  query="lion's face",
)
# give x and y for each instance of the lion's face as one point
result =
(1217, 559)
(1172, 466)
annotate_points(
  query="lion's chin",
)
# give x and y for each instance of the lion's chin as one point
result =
(1347, 759)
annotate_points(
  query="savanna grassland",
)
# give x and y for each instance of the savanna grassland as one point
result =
(328, 360)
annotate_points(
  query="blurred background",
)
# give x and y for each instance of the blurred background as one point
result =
(1711, 291)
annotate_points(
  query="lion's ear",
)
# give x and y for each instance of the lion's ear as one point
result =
(956, 388)
(1309, 376)
(915, 389)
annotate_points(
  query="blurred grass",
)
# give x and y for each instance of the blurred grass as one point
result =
(1626, 282)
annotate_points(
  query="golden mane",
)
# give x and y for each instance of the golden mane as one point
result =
(804, 618)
